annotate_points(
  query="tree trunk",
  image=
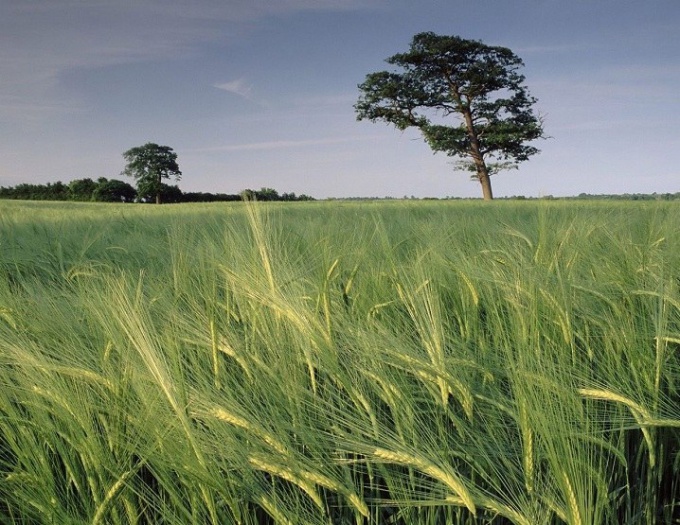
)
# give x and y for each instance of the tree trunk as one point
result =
(475, 149)
(158, 192)
(485, 181)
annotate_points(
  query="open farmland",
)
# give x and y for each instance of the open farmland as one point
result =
(336, 362)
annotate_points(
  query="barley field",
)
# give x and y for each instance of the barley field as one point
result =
(340, 363)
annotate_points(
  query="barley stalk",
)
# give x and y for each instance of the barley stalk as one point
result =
(447, 478)
(113, 491)
(504, 510)
(326, 482)
(528, 442)
(571, 499)
(268, 505)
(225, 348)
(214, 347)
(237, 421)
(639, 413)
(84, 374)
(289, 475)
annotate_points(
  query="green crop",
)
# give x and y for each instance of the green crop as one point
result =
(339, 362)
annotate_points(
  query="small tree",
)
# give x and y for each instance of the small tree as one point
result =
(149, 165)
(448, 75)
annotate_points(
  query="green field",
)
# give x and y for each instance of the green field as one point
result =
(340, 362)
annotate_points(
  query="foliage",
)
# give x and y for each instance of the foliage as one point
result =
(200, 196)
(82, 189)
(49, 191)
(113, 191)
(264, 194)
(149, 165)
(448, 75)
(168, 194)
(270, 194)
(103, 190)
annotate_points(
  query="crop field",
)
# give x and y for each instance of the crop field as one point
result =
(340, 363)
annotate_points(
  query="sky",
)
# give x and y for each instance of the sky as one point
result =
(260, 93)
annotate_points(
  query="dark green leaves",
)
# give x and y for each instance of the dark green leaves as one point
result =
(393, 98)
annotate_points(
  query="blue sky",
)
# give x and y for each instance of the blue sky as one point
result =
(254, 93)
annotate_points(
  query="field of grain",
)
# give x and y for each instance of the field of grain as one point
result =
(337, 362)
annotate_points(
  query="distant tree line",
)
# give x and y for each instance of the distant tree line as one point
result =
(606, 197)
(112, 190)
(631, 196)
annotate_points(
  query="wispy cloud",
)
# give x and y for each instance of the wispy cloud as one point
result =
(279, 144)
(240, 87)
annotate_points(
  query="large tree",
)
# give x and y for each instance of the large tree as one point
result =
(442, 76)
(149, 165)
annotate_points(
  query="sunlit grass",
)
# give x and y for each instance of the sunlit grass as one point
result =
(393, 362)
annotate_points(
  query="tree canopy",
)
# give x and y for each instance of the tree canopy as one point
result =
(112, 190)
(442, 76)
(149, 165)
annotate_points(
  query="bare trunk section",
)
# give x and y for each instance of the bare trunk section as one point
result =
(477, 157)
(475, 150)
(485, 181)
(158, 192)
